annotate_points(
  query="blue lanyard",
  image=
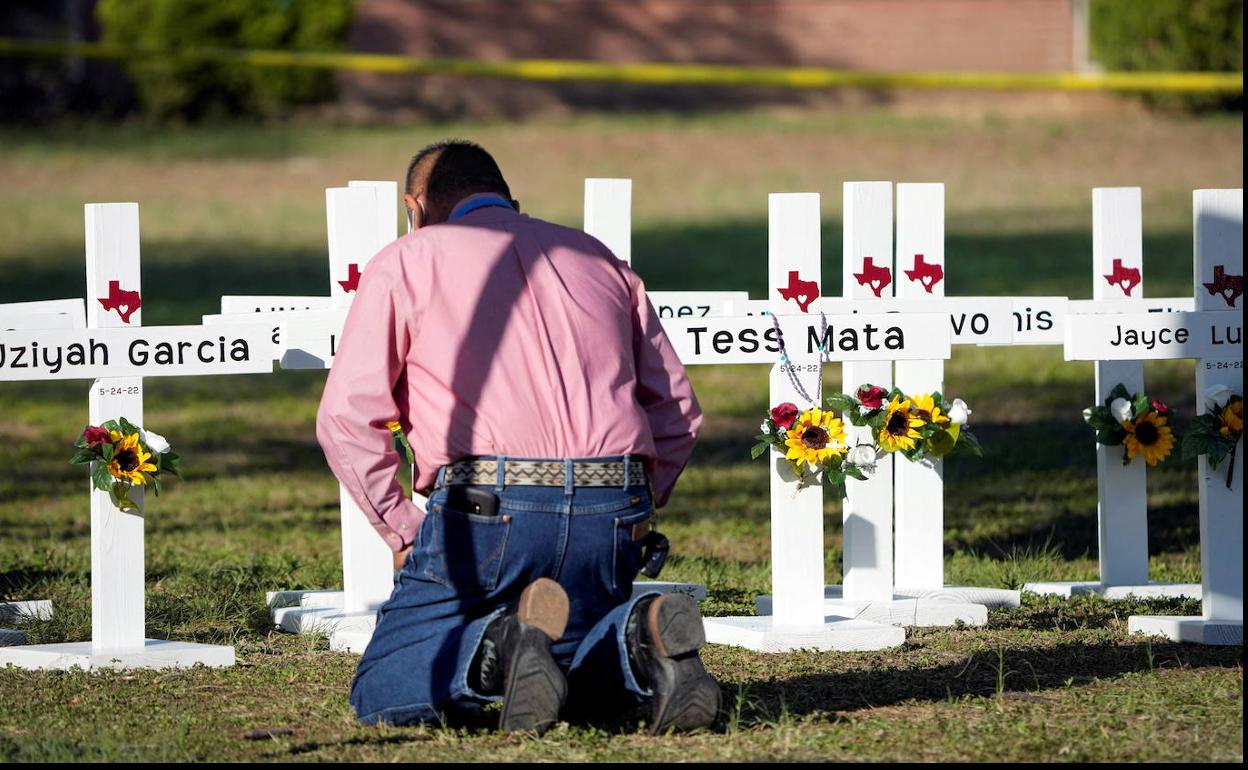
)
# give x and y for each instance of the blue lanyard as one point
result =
(479, 203)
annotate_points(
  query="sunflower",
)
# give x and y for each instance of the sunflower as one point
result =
(816, 437)
(1232, 418)
(925, 407)
(129, 459)
(900, 430)
(1148, 435)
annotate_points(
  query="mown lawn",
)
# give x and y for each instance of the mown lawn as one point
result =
(239, 210)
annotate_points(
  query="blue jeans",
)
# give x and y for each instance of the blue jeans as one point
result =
(465, 569)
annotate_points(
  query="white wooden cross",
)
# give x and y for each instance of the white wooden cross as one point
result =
(1122, 495)
(361, 219)
(117, 352)
(1212, 334)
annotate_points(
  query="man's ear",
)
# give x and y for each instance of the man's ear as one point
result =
(415, 212)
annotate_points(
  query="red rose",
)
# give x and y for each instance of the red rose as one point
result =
(96, 436)
(1161, 408)
(872, 396)
(785, 415)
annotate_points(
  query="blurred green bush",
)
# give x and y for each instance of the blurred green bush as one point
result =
(1171, 36)
(188, 89)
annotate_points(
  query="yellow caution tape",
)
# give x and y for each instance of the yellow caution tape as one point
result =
(552, 70)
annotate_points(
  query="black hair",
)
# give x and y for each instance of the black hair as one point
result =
(453, 169)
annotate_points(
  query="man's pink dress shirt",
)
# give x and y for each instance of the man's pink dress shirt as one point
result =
(499, 334)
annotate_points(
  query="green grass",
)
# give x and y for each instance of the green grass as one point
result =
(239, 209)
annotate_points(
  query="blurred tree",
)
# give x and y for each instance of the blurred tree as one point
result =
(191, 89)
(1172, 35)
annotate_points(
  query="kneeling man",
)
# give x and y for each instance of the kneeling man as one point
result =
(549, 417)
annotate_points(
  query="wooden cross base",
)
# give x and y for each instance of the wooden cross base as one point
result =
(1192, 629)
(992, 598)
(907, 611)
(1067, 589)
(839, 633)
(16, 612)
(155, 653)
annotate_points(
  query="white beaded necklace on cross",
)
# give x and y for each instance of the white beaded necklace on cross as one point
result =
(790, 369)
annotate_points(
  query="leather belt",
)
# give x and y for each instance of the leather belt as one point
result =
(545, 473)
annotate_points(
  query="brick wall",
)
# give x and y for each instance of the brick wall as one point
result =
(989, 35)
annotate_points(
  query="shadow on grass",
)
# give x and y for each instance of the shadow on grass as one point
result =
(1023, 673)
(1028, 674)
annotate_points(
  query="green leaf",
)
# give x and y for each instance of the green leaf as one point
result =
(942, 444)
(154, 481)
(1117, 392)
(1196, 444)
(758, 449)
(1141, 404)
(111, 425)
(119, 494)
(1111, 435)
(172, 463)
(853, 471)
(968, 445)
(101, 479)
(843, 402)
(1218, 451)
(403, 447)
(82, 456)
(128, 427)
(107, 451)
(1098, 417)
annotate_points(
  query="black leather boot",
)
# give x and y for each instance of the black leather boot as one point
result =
(515, 661)
(664, 634)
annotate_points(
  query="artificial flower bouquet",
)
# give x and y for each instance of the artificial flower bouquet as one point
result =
(1135, 422)
(917, 427)
(814, 442)
(125, 456)
(1216, 433)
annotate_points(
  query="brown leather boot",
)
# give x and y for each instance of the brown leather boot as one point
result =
(515, 658)
(664, 634)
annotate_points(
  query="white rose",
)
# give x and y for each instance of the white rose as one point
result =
(862, 456)
(764, 427)
(154, 441)
(1121, 409)
(1217, 396)
(959, 412)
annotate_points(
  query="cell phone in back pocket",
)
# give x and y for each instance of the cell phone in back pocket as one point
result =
(482, 502)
